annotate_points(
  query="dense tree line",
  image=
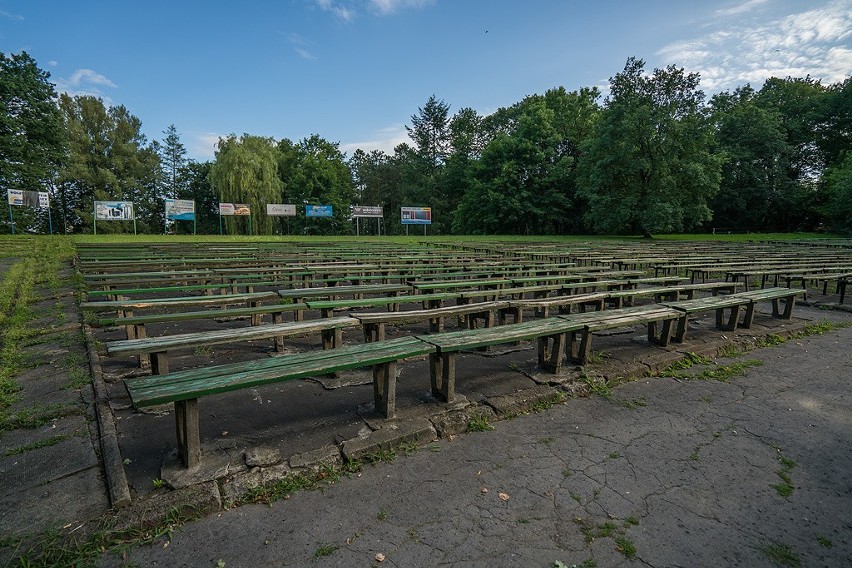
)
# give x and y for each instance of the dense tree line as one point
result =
(653, 156)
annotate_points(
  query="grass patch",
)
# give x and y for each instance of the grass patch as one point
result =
(824, 541)
(721, 373)
(625, 546)
(542, 405)
(325, 549)
(46, 443)
(781, 554)
(479, 423)
(597, 385)
(785, 487)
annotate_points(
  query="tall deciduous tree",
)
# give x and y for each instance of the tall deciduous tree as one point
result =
(315, 172)
(110, 159)
(754, 181)
(32, 138)
(246, 171)
(650, 167)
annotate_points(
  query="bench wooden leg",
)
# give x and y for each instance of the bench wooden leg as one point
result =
(550, 357)
(664, 336)
(159, 363)
(731, 324)
(384, 388)
(682, 326)
(748, 318)
(188, 432)
(585, 346)
(143, 359)
(278, 317)
(442, 370)
(573, 347)
(789, 303)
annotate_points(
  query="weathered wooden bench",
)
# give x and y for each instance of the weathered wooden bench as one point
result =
(253, 298)
(328, 307)
(735, 303)
(542, 306)
(184, 388)
(135, 325)
(374, 324)
(775, 295)
(158, 347)
(333, 293)
(658, 319)
(670, 293)
(550, 334)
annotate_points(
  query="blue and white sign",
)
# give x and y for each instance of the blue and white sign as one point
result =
(114, 211)
(319, 211)
(180, 209)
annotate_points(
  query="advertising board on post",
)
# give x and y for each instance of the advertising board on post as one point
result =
(114, 211)
(367, 211)
(416, 215)
(234, 209)
(319, 211)
(34, 199)
(180, 209)
(280, 210)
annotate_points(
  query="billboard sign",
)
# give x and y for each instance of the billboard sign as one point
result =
(319, 211)
(16, 196)
(280, 210)
(43, 199)
(114, 211)
(180, 209)
(367, 211)
(416, 215)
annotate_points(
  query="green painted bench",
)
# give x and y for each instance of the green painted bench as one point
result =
(550, 334)
(670, 293)
(374, 324)
(184, 388)
(659, 320)
(158, 347)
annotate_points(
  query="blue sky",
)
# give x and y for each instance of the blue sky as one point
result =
(354, 71)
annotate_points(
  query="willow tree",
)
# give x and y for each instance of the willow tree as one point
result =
(246, 171)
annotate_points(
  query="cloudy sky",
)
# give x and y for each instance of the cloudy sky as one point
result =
(354, 71)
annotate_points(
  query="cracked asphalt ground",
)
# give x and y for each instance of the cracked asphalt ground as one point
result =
(755, 471)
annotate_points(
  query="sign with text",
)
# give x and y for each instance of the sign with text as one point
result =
(180, 209)
(319, 211)
(33, 199)
(114, 211)
(416, 215)
(367, 211)
(280, 210)
(228, 209)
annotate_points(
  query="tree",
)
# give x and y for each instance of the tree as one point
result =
(246, 171)
(32, 138)
(314, 172)
(200, 189)
(173, 162)
(649, 167)
(754, 182)
(110, 159)
(838, 207)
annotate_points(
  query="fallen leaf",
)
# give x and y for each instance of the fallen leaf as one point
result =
(484, 490)
(380, 557)
(503, 496)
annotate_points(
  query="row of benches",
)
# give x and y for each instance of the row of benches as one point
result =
(558, 337)
(155, 349)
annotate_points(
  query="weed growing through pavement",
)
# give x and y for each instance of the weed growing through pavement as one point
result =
(325, 549)
(785, 488)
(823, 541)
(781, 554)
(479, 423)
(45, 443)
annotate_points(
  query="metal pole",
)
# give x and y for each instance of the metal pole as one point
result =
(11, 219)
(49, 220)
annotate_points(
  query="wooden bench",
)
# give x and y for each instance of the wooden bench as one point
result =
(253, 299)
(334, 293)
(542, 306)
(658, 319)
(670, 293)
(735, 304)
(549, 332)
(184, 388)
(135, 325)
(158, 347)
(374, 324)
(327, 308)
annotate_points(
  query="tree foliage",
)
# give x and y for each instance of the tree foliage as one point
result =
(246, 171)
(110, 159)
(32, 139)
(650, 167)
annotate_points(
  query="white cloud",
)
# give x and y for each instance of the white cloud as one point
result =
(11, 16)
(304, 53)
(86, 82)
(384, 7)
(807, 43)
(203, 146)
(340, 11)
(53, 63)
(740, 8)
(385, 140)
